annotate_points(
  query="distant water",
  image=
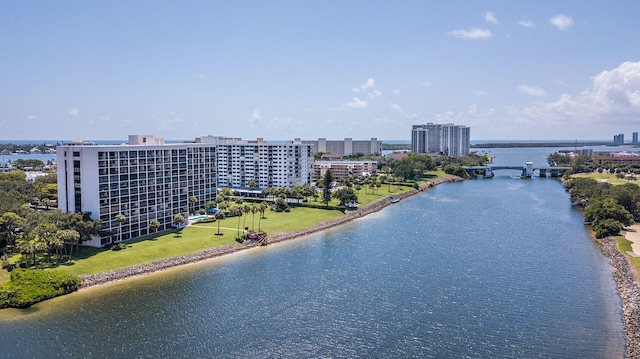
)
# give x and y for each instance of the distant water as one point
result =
(487, 268)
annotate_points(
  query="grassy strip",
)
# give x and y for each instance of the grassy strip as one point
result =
(603, 177)
(624, 246)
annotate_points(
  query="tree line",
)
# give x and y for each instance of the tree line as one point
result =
(608, 208)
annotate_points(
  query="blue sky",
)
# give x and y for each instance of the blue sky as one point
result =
(284, 69)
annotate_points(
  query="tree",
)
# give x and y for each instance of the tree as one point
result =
(345, 195)
(280, 205)
(10, 224)
(252, 184)
(326, 190)
(32, 245)
(607, 227)
(253, 210)
(263, 207)
(219, 217)
(154, 224)
(47, 232)
(69, 236)
(178, 221)
(246, 209)
(120, 218)
(608, 209)
(237, 211)
(193, 200)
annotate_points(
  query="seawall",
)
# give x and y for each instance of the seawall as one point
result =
(629, 292)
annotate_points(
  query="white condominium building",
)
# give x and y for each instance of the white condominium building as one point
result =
(346, 147)
(447, 139)
(344, 169)
(267, 164)
(147, 179)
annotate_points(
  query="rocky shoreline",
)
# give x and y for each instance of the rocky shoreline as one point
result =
(141, 269)
(629, 292)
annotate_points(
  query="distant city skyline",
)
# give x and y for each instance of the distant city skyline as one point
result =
(280, 70)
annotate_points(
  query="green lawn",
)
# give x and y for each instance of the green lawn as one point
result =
(194, 238)
(603, 177)
(198, 237)
(624, 246)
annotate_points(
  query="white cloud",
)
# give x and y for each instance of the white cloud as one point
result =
(30, 117)
(612, 101)
(562, 22)
(170, 124)
(532, 90)
(255, 116)
(357, 103)
(396, 107)
(280, 123)
(471, 34)
(526, 23)
(396, 91)
(375, 93)
(73, 111)
(369, 84)
(490, 18)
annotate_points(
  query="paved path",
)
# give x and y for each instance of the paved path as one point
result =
(632, 233)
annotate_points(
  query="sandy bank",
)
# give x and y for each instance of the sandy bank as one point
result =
(145, 268)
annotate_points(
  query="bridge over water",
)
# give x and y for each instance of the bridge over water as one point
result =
(527, 170)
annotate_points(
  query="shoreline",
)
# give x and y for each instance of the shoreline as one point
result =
(629, 292)
(92, 280)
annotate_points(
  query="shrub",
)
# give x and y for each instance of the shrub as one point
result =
(30, 286)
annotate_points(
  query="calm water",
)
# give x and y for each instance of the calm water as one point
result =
(496, 268)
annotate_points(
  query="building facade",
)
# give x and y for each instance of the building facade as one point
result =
(147, 179)
(634, 138)
(447, 139)
(619, 138)
(346, 147)
(344, 169)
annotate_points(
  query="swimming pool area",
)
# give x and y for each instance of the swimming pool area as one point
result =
(195, 219)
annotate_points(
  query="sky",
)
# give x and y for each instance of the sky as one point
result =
(279, 70)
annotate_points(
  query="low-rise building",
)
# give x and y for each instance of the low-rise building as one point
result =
(618, 158)
(344, 169)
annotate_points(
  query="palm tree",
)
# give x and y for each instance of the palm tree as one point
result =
(263, 207)
(120, 218)
(178, 221)
(154, 224)
(237, 211)
(245, 209)
(69, 236)
(219, 217)
(252, 184)
(32, 246)
(193, 200)
(253, 210)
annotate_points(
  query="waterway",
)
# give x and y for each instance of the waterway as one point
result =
(486, 268)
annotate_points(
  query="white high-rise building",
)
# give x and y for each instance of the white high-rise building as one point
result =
(346, 147)
(146, 179)
(447, 139)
